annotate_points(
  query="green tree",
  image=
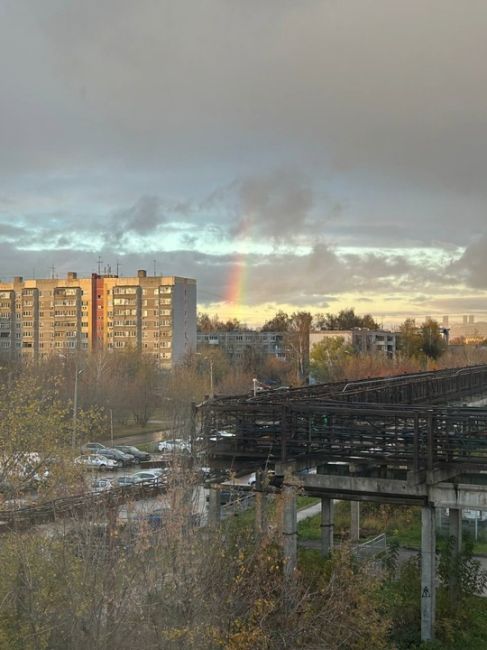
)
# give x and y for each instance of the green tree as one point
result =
(425, 341)
(432, 342)
(410, 338)
(297, 344)
(328, 357)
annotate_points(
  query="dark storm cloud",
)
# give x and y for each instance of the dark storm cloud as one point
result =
(385, 87)
(142, 218)
(276, 206)
(472, 266)
(118, 118)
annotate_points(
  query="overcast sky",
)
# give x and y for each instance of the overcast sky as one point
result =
(317, 154)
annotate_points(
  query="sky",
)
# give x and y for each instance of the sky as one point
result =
(310, 155)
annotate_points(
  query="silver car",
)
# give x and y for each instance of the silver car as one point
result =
(96, 461)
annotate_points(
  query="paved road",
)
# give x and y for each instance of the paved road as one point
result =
(138, 439)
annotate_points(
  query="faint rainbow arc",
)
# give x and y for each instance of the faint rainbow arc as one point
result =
(238, 272)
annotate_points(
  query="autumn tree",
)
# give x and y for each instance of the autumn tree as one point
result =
(425, 341)
(278, 323)
(433, 344)
(206, 323)
(297, 344)
(346, 319)
(328, 357)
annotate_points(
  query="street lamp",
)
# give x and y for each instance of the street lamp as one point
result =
(75, 404)
(77, 373)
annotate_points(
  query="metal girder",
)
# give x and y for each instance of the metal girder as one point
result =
(327, 420)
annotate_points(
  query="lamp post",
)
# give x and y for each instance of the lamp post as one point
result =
(75, 405)
(77, 373)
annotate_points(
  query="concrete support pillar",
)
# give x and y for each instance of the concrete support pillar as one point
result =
(428, 573)
(260, 513)
(355, 521)
(455, 528)
(326, 526)
(289, 531)
(455, 533)
(214, 507)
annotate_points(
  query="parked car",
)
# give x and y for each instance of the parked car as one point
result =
(92, 448)
(148, 477)
(120, 456)
(175, 445)
(101, 485)
(125, 481)
(133, 451)
(159, 471)
(96, 461)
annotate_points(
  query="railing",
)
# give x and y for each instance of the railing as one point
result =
(75, 504)
(371, 549)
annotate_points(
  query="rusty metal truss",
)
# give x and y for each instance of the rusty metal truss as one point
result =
(401, 421)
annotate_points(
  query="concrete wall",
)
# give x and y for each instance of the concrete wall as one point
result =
(184, 319)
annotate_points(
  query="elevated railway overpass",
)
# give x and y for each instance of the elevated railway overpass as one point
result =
(390, 440)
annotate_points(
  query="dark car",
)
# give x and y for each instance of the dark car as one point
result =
(122, 458)
(92, 448)
(139, 455)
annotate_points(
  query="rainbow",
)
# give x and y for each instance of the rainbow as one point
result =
(238, 273)
(236, 284)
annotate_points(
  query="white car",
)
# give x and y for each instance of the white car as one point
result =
(96, 461)
(175, 445)
(148, 477)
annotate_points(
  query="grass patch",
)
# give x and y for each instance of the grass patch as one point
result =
(401, 524)
(304, 502)
(134, 429)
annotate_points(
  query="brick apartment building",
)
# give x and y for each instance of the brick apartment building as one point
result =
(155, 315)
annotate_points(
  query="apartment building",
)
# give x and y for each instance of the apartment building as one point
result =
(155, 315)
(364, 341)
(238, 343)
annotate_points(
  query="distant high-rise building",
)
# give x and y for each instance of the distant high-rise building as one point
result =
(471, 320)
(465, 320)
(155, 315)
(445, 321)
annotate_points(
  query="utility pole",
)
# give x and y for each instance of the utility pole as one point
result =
(75, 404)
(212, 392)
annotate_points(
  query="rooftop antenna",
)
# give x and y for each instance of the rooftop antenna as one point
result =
(118, 266)
(154, 267)
(52, 269)
(99, 264)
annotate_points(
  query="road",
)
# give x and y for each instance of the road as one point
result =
(138, 438)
